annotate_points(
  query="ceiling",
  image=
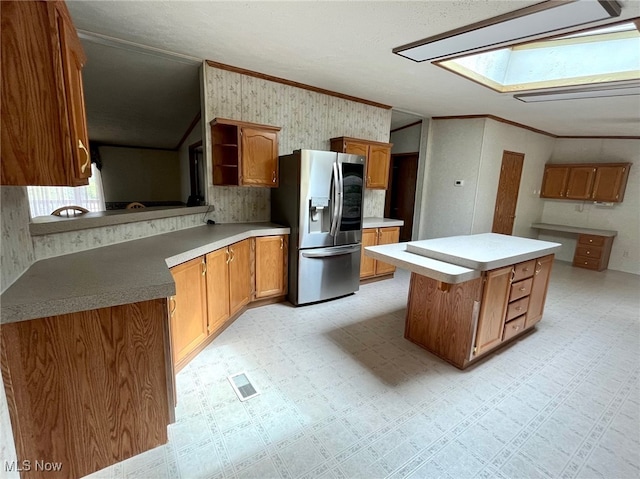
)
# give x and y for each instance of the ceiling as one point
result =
(343, 46)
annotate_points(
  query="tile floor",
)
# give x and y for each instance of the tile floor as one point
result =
(344, 395)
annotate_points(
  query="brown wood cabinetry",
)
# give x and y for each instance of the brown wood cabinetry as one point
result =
(370, 267)
(244, 154)
(88, 389)
(495, 297)
(44, 132)
(538, 290)
(462, 322)
(239, 276)
(271, 266)
(378, 158)
(593, 252)
(188, 308)
(589, 181)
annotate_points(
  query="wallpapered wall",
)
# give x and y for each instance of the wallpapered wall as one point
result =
(308, 120)
(16, 248)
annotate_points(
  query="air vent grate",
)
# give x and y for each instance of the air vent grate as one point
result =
(242, 386)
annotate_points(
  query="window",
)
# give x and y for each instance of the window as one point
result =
(44, 199)
(593, 57)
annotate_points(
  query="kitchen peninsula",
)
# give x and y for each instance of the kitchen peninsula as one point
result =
(471, 294)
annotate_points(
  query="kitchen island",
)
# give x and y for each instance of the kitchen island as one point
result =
(471, 294)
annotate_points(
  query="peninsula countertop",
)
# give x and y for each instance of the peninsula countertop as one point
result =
(457, 259)
(118, 274)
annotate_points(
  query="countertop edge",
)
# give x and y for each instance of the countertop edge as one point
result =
(573, 229)
(161, 285)
(397, 255)
(375, 222)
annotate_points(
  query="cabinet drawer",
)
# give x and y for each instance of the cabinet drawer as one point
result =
(520, 289)
(513, 327)
(517, 308)
(589, 251)
(591, 240)
(524, 270)
(586, 262)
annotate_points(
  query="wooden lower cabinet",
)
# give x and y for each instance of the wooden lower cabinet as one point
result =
(271, 266)
(593, 252)
(188, 308)
(86, 390)
(370, 267)
(462, 322)
(214, 289)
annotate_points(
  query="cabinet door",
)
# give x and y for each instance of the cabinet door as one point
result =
(367, 263)
(355, 148)
(495, 296)
(387, 236)
(42, 106)
(270, 254)
(72, 61)
(609, 183)
(239, 275)
(259, 157)
(539, 287)
(218, 288)
(378, 167)
(580, 182)
(554, 182)
(189, 318)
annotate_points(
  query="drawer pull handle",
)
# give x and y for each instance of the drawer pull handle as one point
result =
(522, 289)
(519, 308)
(525, 270)
(516, 328)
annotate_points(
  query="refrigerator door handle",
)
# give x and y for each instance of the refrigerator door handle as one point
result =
(326, 252)
(335, 186)
(340, 194)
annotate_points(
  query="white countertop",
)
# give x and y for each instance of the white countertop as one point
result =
(375, 222)
(483, 251)
(397, 255)
(117, 274)
(573, 229)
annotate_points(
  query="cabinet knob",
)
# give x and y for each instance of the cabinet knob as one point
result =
(516, 327)
(519, 308)
(273, 178)
(522, 289)
(588, 252)
(586, 262)
(590, 241)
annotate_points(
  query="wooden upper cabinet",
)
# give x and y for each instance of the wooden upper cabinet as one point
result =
(271, 254)
(554, 182)
(378, 158)
(244, 154)
(610, 182)
(586, 181)
(580, 182)
(44, 132)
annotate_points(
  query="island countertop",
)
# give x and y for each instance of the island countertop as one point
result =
(118, 274)
(457, 259)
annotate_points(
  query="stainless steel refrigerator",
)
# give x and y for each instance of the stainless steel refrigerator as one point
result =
(320, 198)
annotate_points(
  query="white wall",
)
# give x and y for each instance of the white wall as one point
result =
(623, 217)
(453, 153)
(406, 140)
(471, 150)
(137, 174)
(537, 149)
(185, 179)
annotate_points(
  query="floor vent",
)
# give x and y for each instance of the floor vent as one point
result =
(242, 386)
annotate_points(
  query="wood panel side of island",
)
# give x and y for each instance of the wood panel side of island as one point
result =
(441, 317)
(87, 389)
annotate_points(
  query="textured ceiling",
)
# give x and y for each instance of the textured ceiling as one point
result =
(346, 47)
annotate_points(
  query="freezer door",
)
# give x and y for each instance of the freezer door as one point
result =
(326, 273)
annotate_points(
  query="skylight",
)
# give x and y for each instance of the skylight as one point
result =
(604, 55)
